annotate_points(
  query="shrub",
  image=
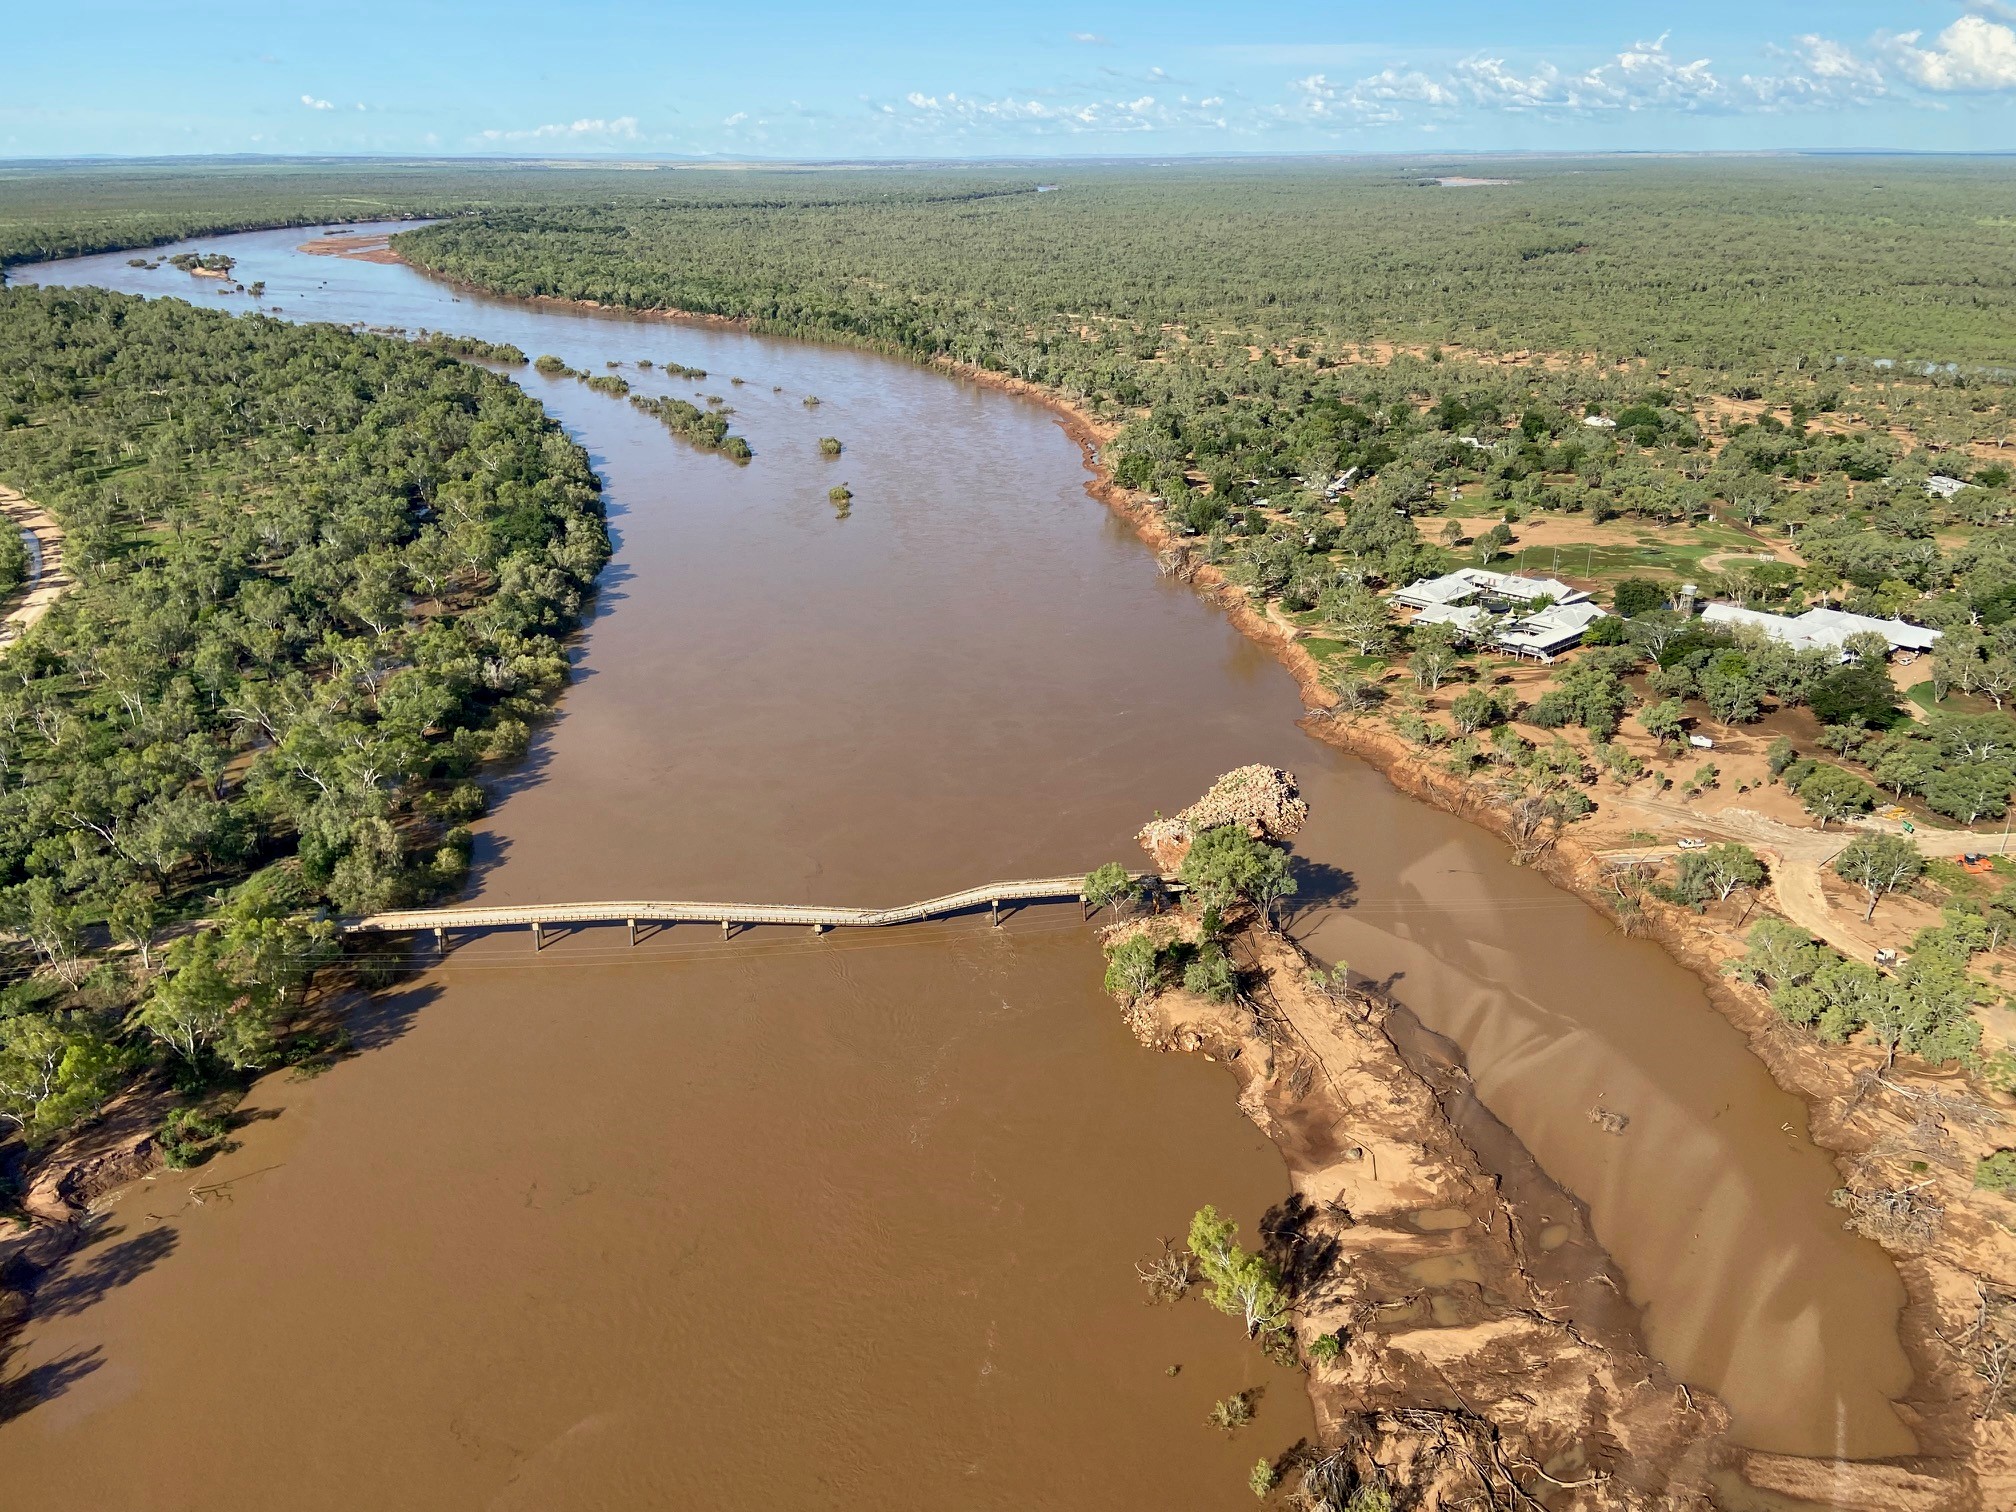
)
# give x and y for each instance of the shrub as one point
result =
(1232, 1413)
(1133, 968)
(1210, 974)
(190, 1136)
(1997, 1173)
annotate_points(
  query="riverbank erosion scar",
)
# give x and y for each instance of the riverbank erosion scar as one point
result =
(1455, 1371)
(1481, 1347)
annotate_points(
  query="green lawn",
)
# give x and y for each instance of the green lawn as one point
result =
(1589, 559)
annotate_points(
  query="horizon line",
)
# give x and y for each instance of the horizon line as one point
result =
(723, 160)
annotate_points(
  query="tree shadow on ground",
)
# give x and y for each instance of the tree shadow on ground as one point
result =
(1303, 1258)
(45, 1382)
(103, 1259)
(379, 1018)
(1319, 886)
(101, 1264)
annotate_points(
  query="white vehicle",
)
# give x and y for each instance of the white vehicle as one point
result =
(1692, 843)
(1701, 742)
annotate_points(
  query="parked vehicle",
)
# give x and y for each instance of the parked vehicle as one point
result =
(1693, 843)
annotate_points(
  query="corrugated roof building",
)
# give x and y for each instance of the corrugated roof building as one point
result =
(1822, 627)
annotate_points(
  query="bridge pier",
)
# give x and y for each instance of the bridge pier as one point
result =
(818, 930)
(633, 930)
(724, 929)
(994, 912)
(538, 938)
(441, 942)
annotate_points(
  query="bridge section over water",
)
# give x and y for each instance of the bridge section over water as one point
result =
(539, 917)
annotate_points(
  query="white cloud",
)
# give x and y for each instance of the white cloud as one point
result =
(1823, 72)
(1090, 39)
(314, 104)
(1646, 76)
(1971, 54)
(1372, 101)
(736, 119)
(965, 115)
(621, 129)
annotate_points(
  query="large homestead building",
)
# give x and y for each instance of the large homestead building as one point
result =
(1822, 627)
(1465, 596)
(1466, 584)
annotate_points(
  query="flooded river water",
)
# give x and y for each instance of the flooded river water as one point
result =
(850, 1222)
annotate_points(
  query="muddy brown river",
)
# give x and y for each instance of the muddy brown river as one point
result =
(849, 1222)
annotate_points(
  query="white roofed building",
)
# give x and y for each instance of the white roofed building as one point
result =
(1546, 635)
(1468, 583)
(1828, 628)
(1542, 635)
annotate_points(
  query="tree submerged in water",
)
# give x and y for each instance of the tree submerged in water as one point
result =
(1238, 1281)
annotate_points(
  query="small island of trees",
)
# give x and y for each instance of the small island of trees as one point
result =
(214, 264)
(693, 424)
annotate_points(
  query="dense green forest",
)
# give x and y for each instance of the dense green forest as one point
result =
(69, 209)
(320, 577)
(1725, 262)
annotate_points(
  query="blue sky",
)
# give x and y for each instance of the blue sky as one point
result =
(642, 78)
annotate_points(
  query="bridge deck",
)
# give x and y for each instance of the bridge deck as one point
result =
(639, 911)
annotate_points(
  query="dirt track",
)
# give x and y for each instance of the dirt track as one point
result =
(43, 588)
